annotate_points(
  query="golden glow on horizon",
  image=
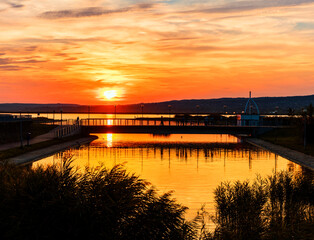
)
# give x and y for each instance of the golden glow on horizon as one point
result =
(110, 94)
(202, 49)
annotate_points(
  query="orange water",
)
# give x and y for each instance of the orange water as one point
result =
(190, 165)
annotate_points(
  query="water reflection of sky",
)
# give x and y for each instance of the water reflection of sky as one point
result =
(191, 165)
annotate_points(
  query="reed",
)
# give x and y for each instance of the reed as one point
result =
(101, 203)
(289, 213)
(280, 206)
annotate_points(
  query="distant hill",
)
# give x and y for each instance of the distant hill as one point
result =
(230, 105)
(33, 107)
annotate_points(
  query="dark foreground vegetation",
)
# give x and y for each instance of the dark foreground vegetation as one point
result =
(278, 207)
(59, 202)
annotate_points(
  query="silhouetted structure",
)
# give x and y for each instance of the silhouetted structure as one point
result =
(248, 118)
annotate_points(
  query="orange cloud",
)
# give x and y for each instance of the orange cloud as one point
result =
(59, 52)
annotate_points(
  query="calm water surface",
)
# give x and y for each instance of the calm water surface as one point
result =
(73, 116)
(190, 165)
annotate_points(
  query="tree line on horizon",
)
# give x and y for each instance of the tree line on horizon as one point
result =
(267, 105)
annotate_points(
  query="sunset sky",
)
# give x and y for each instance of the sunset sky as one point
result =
(128, 51)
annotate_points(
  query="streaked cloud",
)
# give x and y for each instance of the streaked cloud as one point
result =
(15, 5)
(10, 68)
(72, 50)
(240, 6)
(7, 5)
(304, 26)
(92, 11)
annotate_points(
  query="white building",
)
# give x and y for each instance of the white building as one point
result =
(248, 118)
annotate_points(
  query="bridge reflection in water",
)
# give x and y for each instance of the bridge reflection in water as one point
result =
(192, 165)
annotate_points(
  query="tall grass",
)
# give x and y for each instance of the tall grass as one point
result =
(238, 209)
(99, 204)
(290, 210)
(278, 207)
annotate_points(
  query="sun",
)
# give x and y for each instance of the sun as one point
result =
(110, 94)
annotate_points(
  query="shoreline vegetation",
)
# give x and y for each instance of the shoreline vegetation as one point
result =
(101, 203)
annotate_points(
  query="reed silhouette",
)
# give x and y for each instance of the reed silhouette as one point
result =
(46, 203)
(100, 203)
(278, 207)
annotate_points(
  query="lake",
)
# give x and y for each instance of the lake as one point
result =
(191, 165)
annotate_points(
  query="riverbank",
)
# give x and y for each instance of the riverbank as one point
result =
(47, 148)
(292, 155)
(10, 131)
(33, 142)
(291, 138)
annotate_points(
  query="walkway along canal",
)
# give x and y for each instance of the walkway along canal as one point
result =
(294, 156)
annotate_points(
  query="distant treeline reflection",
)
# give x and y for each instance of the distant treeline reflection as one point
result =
(212, 152)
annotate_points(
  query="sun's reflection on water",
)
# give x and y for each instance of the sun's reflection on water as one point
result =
(109, 140)
(191, 165)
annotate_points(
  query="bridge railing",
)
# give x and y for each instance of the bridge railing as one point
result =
(67, 130)
(141, 122)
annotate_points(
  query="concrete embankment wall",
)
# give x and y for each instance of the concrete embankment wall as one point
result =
(48, 151)
(292, 155)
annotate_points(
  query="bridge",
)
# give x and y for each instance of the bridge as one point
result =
(165, 126)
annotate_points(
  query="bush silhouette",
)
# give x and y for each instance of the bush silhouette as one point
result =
(97, 204)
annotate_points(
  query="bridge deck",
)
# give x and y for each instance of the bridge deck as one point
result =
(164, 126)
(141, 122)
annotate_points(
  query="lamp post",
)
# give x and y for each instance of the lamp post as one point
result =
(169, 107)
(197, 112)
(142, 107)
(277, 112)
(305, 118)
(21, 130)
(88, 114)
(61, 123)
(53, 117)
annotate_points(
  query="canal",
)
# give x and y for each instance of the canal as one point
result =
(190, 165)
